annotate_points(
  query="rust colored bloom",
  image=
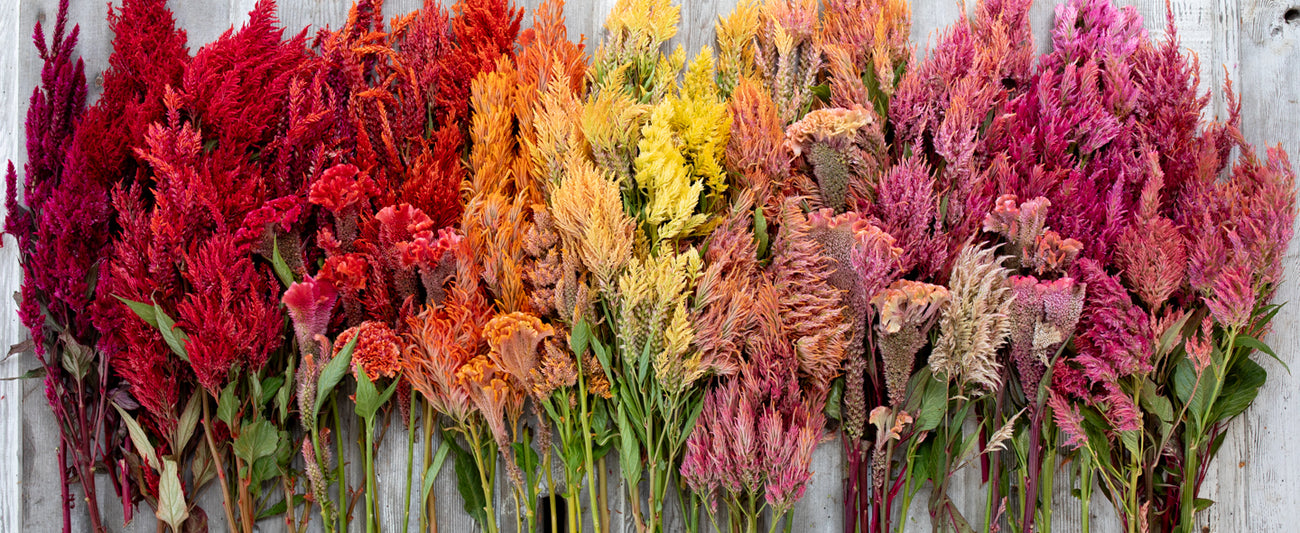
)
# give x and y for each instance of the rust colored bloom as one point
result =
(378, 349)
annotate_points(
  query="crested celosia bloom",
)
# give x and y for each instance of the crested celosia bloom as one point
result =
(377, 352)
(839, 153)
(1043, 316)
(514, 339)
(976, 323)
(906, 310)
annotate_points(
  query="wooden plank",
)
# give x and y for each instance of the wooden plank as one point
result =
(11, 392)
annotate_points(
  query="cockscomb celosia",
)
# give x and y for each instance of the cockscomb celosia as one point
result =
(906, 310)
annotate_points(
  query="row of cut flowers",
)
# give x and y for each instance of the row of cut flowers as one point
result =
(539, 258)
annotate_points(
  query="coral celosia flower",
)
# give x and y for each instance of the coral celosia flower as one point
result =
(906, 310)
(843, 150)
(377, 352)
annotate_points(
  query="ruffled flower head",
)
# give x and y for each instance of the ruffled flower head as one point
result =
(377, 352)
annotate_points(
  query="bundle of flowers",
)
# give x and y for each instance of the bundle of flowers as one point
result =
(706, 268)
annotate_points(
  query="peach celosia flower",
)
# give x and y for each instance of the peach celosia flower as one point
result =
(906, 310)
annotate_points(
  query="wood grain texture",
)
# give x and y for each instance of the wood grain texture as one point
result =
(13, 104)
(1251, 41)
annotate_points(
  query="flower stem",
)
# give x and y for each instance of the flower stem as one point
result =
(221, 469)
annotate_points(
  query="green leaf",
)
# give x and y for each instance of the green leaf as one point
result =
(602, 355)
(174, 336)
(1255, 344)
(367, 396)
(834, 399)
(629, 449)
(1130, 440)
(281, 268)
(139, 439)
(369, 399)
(696, 407)
(1203, 504)
(822, 92)
(761, 236)
(228, 405)
(189, 420)
(1240, 388)
(1193, 395)
(256, 440)
(580, 337)
(1154, 402)
(933, 404)
(431, 473)
(333, 372)
(282, 397)
(467, 481)
(171, 497)
(38, 372)
(270, 386)
(143, 310)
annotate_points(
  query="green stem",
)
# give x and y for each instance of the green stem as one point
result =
(372, 525)
(410, 464)
(484, 477)
(344, 507)
(588, 456)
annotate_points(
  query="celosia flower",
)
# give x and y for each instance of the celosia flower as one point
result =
(377, 352)
(907, 208)
(310, 303)
(1043, 317)
(906, 310)
(843, 150)
(786, 57)
(514, 339)
(723, 314)
(755, 151)
(1067, 417)
(231, 316)
(976, 322)
(556, 371)
(681, 150)
(588, 211)
(653, 318)
(810, 302)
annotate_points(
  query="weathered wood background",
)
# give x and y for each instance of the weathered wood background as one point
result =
(1256, 481)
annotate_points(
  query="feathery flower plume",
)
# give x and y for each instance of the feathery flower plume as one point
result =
(976, 323)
